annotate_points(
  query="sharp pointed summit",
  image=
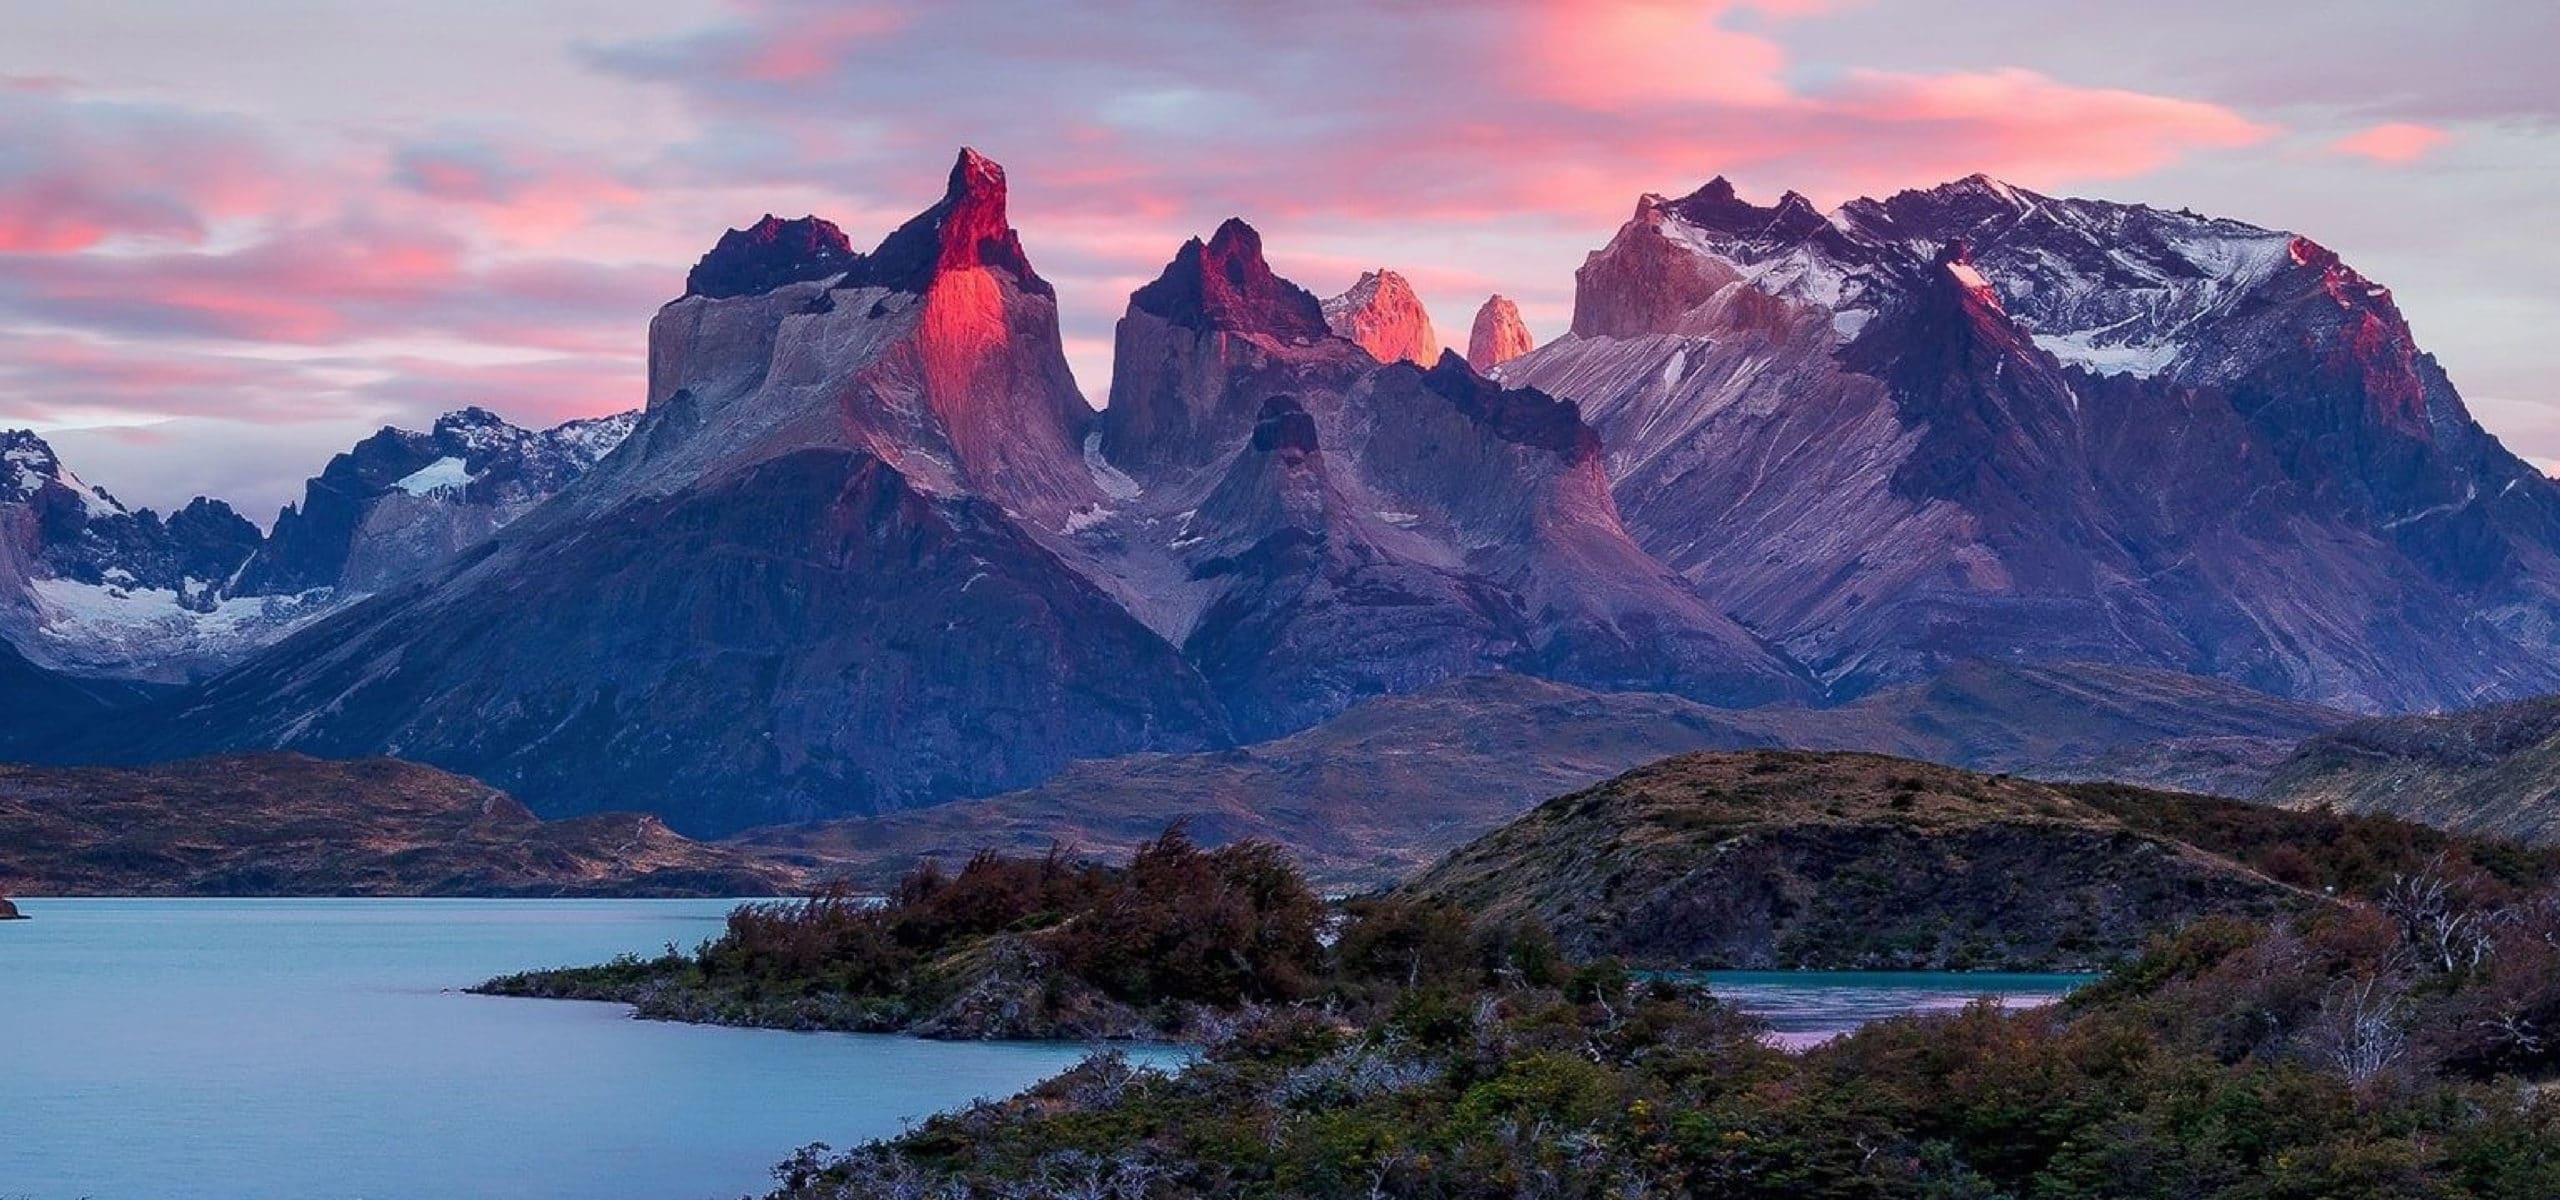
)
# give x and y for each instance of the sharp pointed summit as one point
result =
(1225, 285)
(1498, 335)
(1383, 316)
(967, 228)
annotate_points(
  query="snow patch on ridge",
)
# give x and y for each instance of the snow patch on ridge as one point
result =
(108, 629)
(444, 474)
(1113, 481)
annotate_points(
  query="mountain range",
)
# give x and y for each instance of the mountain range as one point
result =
(866, 548)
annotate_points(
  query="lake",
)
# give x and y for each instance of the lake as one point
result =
(1806, 1008)
(315, 1050)
(311, 1050)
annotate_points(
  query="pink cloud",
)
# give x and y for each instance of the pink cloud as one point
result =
(1609, 55)
(810, 38)
(2023, 125)
(517, 194)
(75, 172)
(2397, 143)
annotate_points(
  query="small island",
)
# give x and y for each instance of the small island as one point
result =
(9, 911)
(1009, 947)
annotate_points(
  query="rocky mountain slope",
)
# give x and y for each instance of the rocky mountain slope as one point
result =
(1380, 792)
(286, 825)
(1843, 861)
(32, 697)
(1978, 422)
(2491, 771)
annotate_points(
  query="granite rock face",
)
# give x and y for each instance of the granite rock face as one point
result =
(1498, 335)
(1380, 314)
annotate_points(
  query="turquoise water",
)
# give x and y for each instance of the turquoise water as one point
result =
(1805, 1008)
(310, 1050)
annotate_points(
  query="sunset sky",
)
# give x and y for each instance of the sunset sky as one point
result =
(236, 237)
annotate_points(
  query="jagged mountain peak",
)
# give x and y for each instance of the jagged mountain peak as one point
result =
(29, 465)
(1498, 334)
(768, 254)
(1382, 315)
(1225, 285)
(966, 229)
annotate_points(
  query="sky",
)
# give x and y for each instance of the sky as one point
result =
(236, 237)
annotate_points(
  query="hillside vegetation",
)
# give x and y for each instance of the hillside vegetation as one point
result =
(1853, 861)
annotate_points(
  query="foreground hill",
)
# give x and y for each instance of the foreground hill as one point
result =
(2491, 771)
(1378, 793)
(286, 825)
(1841, 861)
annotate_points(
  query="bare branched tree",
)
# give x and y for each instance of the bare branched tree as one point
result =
(2360, 1032)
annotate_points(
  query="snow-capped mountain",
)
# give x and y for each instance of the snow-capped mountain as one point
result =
(401, 502)
(1976, 421)
(90, 588)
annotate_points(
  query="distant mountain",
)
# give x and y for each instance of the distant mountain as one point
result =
(91, 588)
(2492, 771)
(1371, 796)
(1975, 421)
(1787, 859)
(88, 586)
(402, 503)
(285, 825)
(1498, 335)
(1382, 315)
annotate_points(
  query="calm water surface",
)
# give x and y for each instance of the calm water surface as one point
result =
(310, 1050)
(1806, 1008)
